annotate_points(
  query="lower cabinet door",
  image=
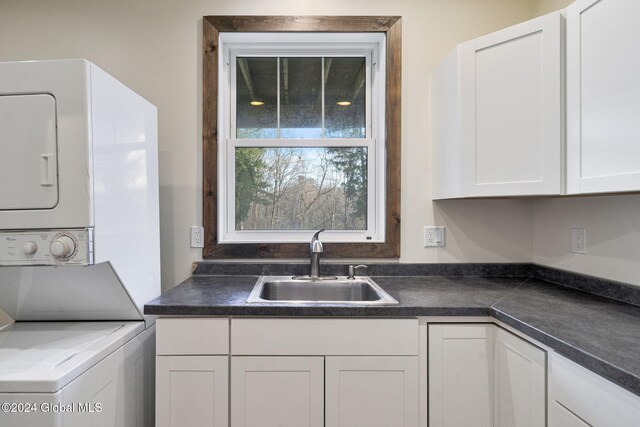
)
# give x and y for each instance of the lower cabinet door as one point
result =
(277, 391)
(461, 375)
(371, 391)
(192, 391)
(559, 416)
(520, 370)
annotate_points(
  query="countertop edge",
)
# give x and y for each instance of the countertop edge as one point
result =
(607, 370)
(316, 310)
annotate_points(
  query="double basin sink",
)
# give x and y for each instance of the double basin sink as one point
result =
(333, 290)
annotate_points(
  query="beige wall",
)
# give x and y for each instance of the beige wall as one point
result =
(541, 7)
(612, 224)
(153, 46)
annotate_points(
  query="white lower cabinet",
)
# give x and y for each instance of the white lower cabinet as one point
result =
(277, 391)
(460, 375)
(520, 372)
(481, 375)
(562, 417)
(324, 372)
(212, 372)
(298, 391)
(254, 372)
(192, 372)
(371, 391)
(192, 391)
(579, 398)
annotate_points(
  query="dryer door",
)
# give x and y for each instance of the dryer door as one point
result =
(28, 148)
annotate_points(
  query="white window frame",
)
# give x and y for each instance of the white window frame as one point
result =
(372, 46)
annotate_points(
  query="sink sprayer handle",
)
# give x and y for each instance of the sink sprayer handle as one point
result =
(353, 268)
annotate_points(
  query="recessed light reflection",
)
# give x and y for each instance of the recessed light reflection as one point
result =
(344, 103)
(256, 103)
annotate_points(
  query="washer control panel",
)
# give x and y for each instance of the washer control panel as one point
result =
(47, 247)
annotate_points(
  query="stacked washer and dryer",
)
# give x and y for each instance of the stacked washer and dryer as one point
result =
(79, 247)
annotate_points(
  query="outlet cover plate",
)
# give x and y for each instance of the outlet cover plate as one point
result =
(197, 236)
(433, 237)
(579, 240)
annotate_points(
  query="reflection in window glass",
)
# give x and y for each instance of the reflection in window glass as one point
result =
(293, 188)
(301, 97)
(345, 90)
(256, 98)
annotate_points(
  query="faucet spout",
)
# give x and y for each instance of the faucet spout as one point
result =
(315, 249)
(316, 245)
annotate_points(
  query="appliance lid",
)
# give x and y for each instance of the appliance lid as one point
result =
(46, 356)
(68, 292)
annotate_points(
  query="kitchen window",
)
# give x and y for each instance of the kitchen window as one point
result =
(296, 137)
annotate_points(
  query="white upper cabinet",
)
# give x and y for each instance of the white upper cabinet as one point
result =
(603, 96)
(498, 109)
(512, 110)
(498, 114)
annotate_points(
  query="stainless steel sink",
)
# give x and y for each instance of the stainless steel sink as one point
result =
(336, 290)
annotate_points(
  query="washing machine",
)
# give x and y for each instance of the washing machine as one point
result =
(79, 247)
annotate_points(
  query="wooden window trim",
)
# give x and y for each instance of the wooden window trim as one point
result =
(212, 26)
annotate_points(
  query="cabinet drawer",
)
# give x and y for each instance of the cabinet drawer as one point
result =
(331, 337)
(192, 336)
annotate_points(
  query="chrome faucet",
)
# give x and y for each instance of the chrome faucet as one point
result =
(315, 248)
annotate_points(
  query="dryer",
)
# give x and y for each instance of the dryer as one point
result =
(79, 239)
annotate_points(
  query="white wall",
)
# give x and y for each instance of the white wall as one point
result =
(153, 46)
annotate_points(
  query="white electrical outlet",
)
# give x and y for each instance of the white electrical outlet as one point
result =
(197, 236)
(579, 240)
(433, 237)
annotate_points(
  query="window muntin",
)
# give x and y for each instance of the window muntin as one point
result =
(337, 151)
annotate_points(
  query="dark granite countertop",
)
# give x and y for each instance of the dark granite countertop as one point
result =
(599, 333)
(417, 296)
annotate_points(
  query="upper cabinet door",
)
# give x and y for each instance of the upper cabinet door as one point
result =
(603, 96)
(512, 110)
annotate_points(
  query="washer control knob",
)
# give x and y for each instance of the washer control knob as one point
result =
(30, 248)
(63, 247)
